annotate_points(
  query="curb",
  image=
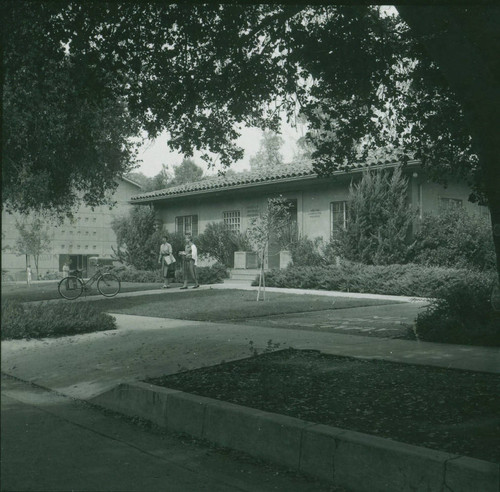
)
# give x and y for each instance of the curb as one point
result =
(350, 459)
(327, 293)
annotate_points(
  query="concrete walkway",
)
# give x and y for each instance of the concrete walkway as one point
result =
(53, 443)
(85, 365)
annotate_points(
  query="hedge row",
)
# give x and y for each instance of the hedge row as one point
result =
(52, 319)
(399, 280)
(460, 312)
(213, 274)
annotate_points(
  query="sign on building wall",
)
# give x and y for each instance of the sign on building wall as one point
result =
(314, 212)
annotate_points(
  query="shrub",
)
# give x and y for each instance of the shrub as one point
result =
(219, 242)
(49, 276)
(378, 220)
(462, 313)
(177, 241)
(454, 238)
(137, 238)
(306, 252)
(126, 274)
(214, 274)
(407, 280)
(52, 319)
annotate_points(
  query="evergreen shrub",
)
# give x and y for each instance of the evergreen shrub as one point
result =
(379, 220)
(52, 319)
(406, 280)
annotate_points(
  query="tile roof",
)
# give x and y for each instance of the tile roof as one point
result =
(281, 173)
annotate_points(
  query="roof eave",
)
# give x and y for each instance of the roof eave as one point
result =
(264, 182)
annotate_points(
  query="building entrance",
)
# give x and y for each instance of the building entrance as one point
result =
(75, 262)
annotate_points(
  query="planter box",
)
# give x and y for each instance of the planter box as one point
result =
(245, 259)
(285, 259)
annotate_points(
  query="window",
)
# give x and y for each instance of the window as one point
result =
(187, 224)
(445, 202)
(338, 215)
(232, 220)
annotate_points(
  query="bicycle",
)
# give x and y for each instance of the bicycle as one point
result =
(71, 287)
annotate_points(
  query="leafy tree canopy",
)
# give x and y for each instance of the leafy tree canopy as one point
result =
(199, 71)
(186, 172)
(82, 77)
(66, 127)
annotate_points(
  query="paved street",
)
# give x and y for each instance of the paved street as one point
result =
(52, 443)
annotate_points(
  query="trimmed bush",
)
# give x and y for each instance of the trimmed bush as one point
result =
(462, 313)
(140, 276)
(214, 274)
(406, 280)
(52, 319)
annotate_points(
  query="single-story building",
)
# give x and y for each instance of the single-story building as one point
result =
(319, 204)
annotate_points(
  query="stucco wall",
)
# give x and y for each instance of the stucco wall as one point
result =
(313, 202)
(430, 194)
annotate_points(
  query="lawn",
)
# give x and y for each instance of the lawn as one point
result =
(44, 291)
(444, 409)
(224, 305)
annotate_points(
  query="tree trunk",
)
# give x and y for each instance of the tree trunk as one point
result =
(495, 223)
(36, 258)
(492, 191)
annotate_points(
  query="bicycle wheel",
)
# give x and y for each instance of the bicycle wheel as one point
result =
(108, 285)
(70, 287)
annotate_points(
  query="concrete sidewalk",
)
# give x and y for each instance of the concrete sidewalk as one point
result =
(53, 443)
(85, 365)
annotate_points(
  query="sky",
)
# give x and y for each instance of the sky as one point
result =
(154, 153)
